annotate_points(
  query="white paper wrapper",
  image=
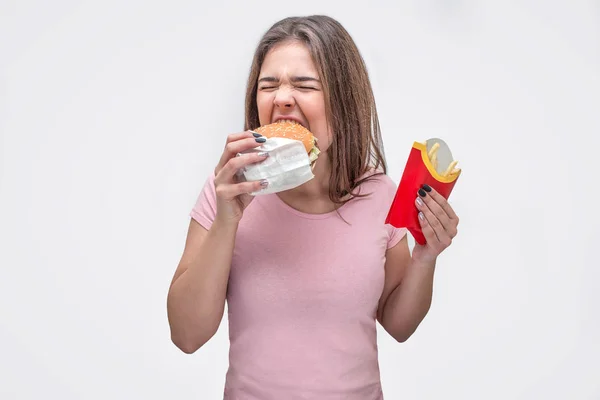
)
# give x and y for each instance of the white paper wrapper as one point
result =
(287, 166)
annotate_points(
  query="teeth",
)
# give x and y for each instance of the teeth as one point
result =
(288, 120)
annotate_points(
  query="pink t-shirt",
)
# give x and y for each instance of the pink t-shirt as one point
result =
(303, 295)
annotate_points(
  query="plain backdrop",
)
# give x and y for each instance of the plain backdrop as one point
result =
(113, 113)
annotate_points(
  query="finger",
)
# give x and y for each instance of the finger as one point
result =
(241, 145)
(444, 228)
(225, 156)
(428, 232)
(441, 200)
(432, 221)
(230, 191)
(234, 137)
(438, 238)
(232, 166)
(238, 146)
(425, 201)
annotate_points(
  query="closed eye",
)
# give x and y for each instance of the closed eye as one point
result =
(299, 87)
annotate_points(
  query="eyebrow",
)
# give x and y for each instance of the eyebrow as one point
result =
(294, 79)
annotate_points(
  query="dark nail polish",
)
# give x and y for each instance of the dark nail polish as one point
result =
(256, 135)
(427, 188)
(422, 193)
(261, 139)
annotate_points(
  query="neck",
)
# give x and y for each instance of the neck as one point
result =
(318, 187)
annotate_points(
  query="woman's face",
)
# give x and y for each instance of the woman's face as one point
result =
(289, 88)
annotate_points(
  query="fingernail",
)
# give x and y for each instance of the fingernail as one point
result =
(427, 188)
(264, 154)
(256, 135)
(419, 201)
(260, 139)
(264, 183)
(421, 216)
(422, 193)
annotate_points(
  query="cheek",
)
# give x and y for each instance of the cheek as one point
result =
(323, 140)
(264, 105)
(319, 126)
(322, 134)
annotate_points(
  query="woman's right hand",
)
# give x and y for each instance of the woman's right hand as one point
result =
(233, 195)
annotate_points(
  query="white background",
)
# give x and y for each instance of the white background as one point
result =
(113, 113)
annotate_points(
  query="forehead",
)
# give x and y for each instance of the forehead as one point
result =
(288, 58)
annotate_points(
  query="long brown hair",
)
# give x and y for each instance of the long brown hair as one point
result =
(356, 146)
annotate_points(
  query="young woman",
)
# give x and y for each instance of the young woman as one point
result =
(307, 272)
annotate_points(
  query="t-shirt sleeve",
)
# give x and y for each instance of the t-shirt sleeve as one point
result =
(395, 235)
(205, 208)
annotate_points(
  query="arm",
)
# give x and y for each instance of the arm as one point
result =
(409, 279)
(196, 299)
(407, 292)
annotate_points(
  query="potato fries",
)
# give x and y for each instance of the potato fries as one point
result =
(433, 155)
(451, 170)
(433, 150)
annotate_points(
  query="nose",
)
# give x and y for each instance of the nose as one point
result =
(284, 98)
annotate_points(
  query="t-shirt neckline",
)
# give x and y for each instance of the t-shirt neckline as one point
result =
(283, 205)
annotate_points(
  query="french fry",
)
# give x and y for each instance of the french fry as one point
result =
(454, 172)
(433, 151)
(432, 155)
(450, 168)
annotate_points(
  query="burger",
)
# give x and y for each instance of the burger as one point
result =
(295, 131)
(293, 152)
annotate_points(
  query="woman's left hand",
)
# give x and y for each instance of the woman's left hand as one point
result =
(438, 223)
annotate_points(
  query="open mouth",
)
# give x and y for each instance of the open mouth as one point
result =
(292, 129)
(293, 121)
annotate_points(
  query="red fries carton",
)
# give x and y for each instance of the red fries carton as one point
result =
(428, 163)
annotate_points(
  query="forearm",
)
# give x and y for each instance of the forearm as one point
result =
(196, 298)
(409, 303)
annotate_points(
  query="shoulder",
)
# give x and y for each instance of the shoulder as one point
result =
(378, 183)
